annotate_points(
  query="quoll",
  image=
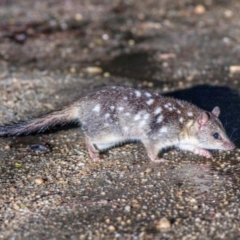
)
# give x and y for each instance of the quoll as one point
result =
(117, 115)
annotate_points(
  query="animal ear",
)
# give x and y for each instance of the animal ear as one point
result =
(216, 111)
(202, 119)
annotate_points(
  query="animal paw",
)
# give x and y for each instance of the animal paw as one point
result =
(92, 151)
(94, 155)
(202, 152)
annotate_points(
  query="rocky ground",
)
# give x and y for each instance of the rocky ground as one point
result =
(52, 52)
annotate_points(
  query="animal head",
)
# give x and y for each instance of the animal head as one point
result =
(210, 132)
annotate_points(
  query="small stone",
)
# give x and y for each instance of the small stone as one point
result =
(7, 147)
(12, 188)
(148, 170)
(16, 207)
(199, 9)
(234, 69)
(111, 228)
(193, 201)
(78, 17)
(165, 56)
(228, 13)
(131, 42)
(127, 208)
(119, 219)
(39, 181)
(163, 225)
(195, 207)
(106, 74)
(72, 70)
(38, 148)
(93, 70)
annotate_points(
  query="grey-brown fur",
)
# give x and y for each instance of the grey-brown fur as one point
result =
(119, 114)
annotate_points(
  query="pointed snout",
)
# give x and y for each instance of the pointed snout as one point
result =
(229, 145)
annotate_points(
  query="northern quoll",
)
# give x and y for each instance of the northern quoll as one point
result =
(117, 115)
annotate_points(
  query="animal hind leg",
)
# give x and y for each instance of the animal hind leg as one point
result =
(152, 151)
(93, 152)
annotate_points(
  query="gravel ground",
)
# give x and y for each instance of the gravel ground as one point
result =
(49, 188)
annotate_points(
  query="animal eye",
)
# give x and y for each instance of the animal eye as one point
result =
(217, 136)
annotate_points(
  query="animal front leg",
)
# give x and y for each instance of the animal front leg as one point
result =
(199, 151)
(152, 151)
(202, 152)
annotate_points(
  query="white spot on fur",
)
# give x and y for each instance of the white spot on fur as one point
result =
(127, 114)
(138, 93)
(136, 117)
(142, 123)
(112, 108)
(125, 98)
(159, 119)
(107, 115)
(163, 130)
(150, 101)
(190, 114)
(157, 110)
(120, 108)
(167, 105)
(148, 94)
(181, 119)
(125, 129)
(96, 108)
(178, 111)
(146, 116)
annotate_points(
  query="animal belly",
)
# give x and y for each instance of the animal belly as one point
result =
(104, 146)
(108, 142)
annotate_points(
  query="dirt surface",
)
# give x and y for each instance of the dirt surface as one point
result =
(52, 52)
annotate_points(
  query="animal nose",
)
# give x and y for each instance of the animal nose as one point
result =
(231, 146)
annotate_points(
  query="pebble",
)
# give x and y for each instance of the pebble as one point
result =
(193, 201)
(127, 208)
(148, 170)
(7, 147)
(234, 69)
(78, 16)
(163, 225)
(39, 181)
(106, 74)
(228, 13)
(93, 70)
(16, 207)
(199, 9)
(38, 148)
(111, 228)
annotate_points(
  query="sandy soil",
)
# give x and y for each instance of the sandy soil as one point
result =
(52, 52)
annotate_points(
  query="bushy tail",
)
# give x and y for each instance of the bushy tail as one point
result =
(41, 124)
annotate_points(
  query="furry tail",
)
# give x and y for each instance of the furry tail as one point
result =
(41, 124)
